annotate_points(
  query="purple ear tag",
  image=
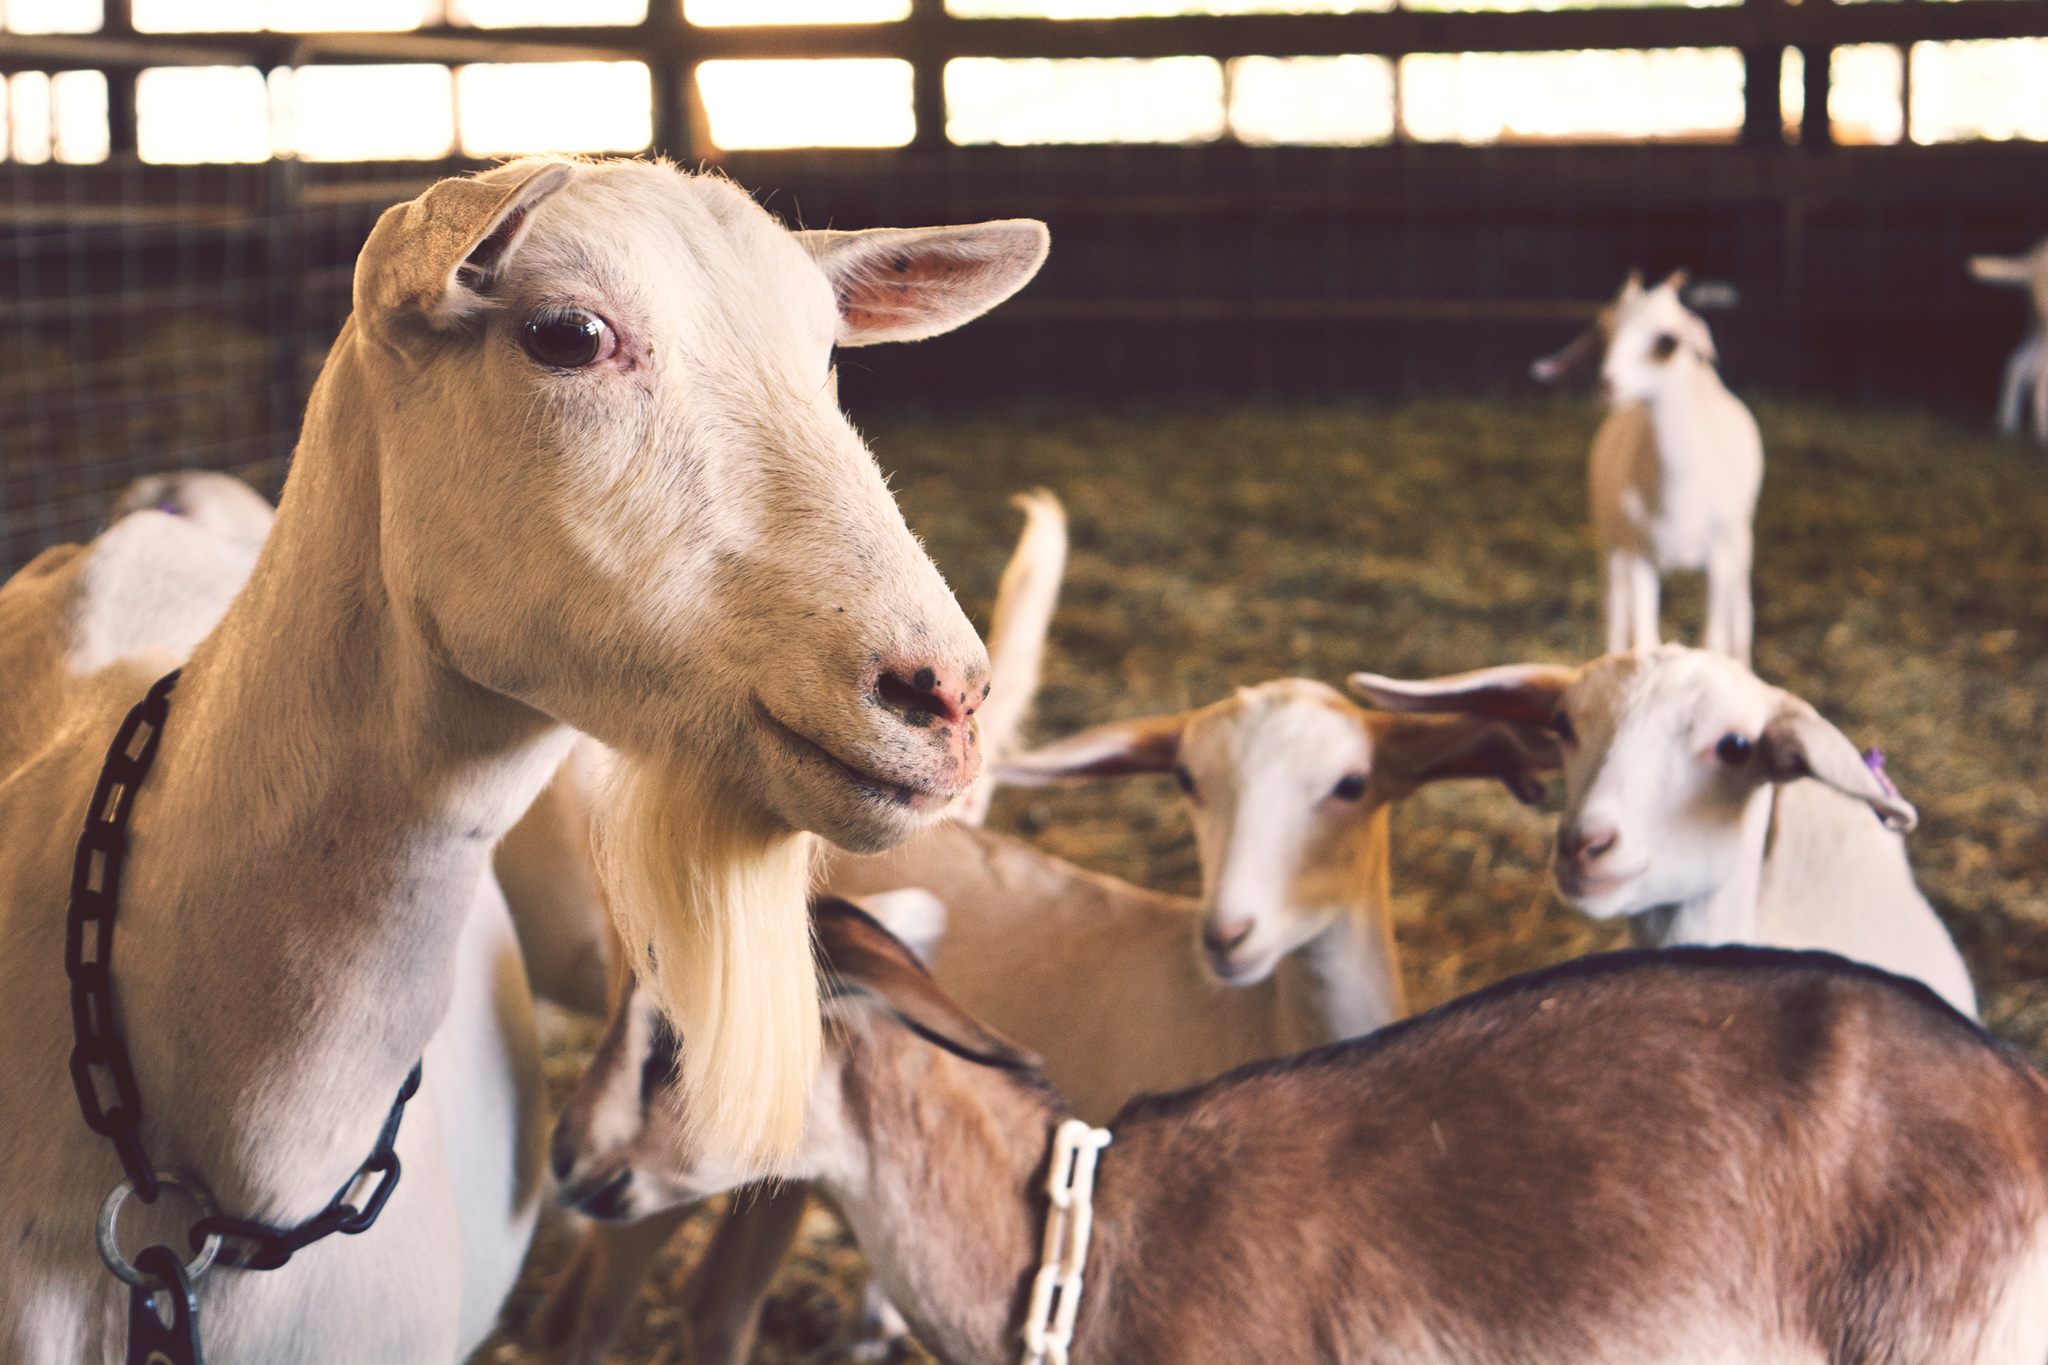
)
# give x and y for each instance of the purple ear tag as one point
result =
(1873, 759)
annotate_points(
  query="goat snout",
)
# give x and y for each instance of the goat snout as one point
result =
(1223, 937)
(1586, 844)
(924, 695)
(607, 1199)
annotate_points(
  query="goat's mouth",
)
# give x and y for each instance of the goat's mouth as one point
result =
(917, 797)
(1580, 886)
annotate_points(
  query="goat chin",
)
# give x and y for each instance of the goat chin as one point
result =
(710, 899)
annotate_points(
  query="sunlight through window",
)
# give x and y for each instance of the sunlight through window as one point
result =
(361, 113)
(185, 114)
(506, 13)
(828, 103)
(712, 13)
(1334, 101)
(1864, 106)
(291, 16)
(52, 16)
(28, 117)
(554, 107)
(1995, 89)
(1140, 9)
(78, 101)
(1692, 94)
(1090, 99)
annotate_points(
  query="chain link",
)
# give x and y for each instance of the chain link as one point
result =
(100, 1069)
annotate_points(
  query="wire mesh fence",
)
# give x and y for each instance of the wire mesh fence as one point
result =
(154, 317)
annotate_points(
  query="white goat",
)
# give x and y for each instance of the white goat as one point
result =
(1684, 809)
(1638, 1159)
(1124, 990)
(574, 460)
(220, 504)
(1675, 469)
(2026, 373)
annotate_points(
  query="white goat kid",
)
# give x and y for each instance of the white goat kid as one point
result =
(1686, 811)
(574, 460)
(2026, 373)
(1675, 471)
(1122, 990)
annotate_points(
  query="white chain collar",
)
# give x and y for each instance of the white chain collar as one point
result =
(1056, 1289)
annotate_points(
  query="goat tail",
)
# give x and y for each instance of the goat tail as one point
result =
(1025, 600)
(710, 899)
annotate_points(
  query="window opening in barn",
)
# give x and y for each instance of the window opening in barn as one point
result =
(1994, 89)
(1664, 95)
(714, 13)
(836, 102)
(1087, 99)
(52, 16)
(515, 107)
(357, 113)
(1326, 101)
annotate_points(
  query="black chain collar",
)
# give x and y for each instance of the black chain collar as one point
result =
(100, 1053)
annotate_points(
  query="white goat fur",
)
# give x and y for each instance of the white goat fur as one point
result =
(474, 551)
(1674, 474)
(1708, 851)
(217, 503)
(2026, 372)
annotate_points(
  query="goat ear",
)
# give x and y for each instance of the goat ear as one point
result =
(2017, 270)
(1526, 694)
(1633, 285)
(858, 953)
(1677, 280)
(914, 915)
(1413, 751)
(906, 284)
(1583, 354)
(1798, 742)
(1121, 748)
(436, 256)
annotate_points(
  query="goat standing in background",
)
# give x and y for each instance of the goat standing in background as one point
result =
(1794, 1160)
(2026, 373)
(1675, 469)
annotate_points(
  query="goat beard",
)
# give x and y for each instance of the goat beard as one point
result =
(711, 899)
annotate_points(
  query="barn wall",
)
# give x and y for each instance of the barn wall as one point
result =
(153, 316)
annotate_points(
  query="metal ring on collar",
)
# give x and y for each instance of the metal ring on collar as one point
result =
(110, 1217)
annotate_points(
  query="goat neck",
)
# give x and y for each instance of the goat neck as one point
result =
(317, 826)
(1729, 913)
(939, 1166)
(1343, 982)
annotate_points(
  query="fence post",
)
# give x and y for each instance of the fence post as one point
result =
(665, 44)
(927, 53)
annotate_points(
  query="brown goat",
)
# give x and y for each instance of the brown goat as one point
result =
(1696, 1155)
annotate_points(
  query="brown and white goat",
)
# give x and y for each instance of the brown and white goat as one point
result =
(1121, 989)
(1688, 1156)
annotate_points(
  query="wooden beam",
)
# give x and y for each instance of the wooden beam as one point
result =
(935, 35)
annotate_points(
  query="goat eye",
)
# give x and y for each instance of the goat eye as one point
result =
(1184, 778)
(1561, 726)
(568, 338)
(1734, 750)
(1350, 787)
(1665, 346)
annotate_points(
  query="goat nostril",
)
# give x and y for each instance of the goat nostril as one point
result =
(562, 1160)
(920, 699)
(1222, 938)
(1586, 846)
